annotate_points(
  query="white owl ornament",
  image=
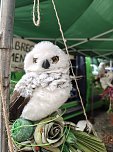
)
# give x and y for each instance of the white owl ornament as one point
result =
(45, 86)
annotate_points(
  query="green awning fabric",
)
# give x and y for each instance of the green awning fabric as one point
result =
(88, 21)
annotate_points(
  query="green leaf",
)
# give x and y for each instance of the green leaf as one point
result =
(72, 149)
(64, 148)
(84, 148)
(88, 143)
(71, 139)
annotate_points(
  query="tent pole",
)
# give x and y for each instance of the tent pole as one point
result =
(104, 55)
(103, 50)
(68, 39)
(89, 39)
(7, 17)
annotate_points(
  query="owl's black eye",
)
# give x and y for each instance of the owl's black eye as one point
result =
(35, 60)
(55, 59)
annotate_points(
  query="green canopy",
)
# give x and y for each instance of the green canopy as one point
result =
(87, 24)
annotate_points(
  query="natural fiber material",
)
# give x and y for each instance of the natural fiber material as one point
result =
(50, 133)
(36, 22)
(66, 48)
(55, 135)
(22, 130)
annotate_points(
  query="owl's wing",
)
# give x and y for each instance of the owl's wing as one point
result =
(16, 105)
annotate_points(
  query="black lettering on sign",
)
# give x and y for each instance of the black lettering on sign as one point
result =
(22, 58)
(27, 47)
(17, 45)
(31, 47)
(13, 57)
(16, 57)
(23, 47)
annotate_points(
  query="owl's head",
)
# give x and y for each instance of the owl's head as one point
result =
(45, 56)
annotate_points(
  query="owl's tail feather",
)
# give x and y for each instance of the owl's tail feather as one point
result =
(16, 106)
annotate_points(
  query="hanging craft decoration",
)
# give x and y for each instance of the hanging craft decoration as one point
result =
(53, 134)
(45, 86)
(38, 125)
(35, 100)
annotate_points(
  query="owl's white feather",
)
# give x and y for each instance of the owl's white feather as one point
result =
(42, 51)
(48, 87)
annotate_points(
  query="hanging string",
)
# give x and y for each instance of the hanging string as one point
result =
(64, 40)
(6, 120)
(36, 9)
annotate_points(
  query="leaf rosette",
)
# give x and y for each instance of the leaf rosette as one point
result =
(50, 132)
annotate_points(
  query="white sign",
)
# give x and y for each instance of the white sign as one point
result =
(20, 48)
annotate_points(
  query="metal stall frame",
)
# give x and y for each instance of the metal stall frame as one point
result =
(6, 37)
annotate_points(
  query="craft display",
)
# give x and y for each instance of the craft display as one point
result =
(53, 134)
(107, 84)
(37, 125)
